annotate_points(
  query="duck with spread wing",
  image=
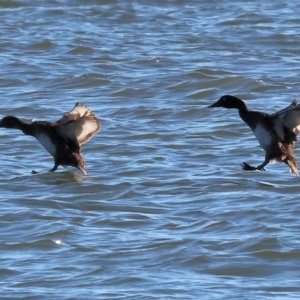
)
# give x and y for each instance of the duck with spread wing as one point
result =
(63, 138)
(276, 133)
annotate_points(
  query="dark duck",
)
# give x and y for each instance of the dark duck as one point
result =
(63, 138)
(276, 133)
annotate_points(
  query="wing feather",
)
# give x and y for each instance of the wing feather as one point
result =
(80, 124)
(288, 118)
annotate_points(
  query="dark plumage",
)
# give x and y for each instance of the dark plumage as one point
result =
(276, 133)
(63, 138)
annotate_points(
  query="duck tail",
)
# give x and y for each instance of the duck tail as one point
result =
(82, 168)
(292, 163)
(288, 157)
(80, 163)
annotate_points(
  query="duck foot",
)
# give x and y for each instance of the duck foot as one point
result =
(247, 167)
(34, 172)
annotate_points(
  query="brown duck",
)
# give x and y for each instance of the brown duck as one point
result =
(63, 138)
(276, 133)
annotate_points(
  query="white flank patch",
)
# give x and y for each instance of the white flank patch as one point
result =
(263, 136)
(46, 143)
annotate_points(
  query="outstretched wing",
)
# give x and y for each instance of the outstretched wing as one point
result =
(287, 120)
(79, 123)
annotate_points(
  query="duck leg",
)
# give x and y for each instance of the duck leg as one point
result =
(54, 168)
(247, 167)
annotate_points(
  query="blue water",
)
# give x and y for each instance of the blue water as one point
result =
(166, 211)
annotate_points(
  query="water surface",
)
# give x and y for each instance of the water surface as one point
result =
(166, 211)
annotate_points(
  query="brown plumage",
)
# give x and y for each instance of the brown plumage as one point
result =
(63, 138)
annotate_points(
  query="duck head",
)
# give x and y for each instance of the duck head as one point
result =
(229, 101)
(10, 122)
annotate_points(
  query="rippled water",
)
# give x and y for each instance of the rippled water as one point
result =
(166, 211)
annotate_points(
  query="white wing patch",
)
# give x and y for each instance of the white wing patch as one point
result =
(263, 136)
(46, 143)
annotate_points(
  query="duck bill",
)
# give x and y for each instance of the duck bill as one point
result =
(217, 104)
